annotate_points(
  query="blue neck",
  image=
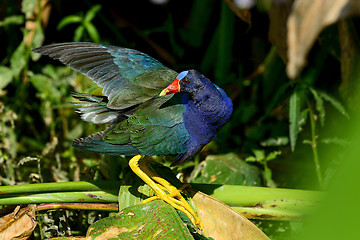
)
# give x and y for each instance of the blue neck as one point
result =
(206, 113)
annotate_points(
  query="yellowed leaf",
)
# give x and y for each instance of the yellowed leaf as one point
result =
(19, 224)
(222, 222)
(306, 20)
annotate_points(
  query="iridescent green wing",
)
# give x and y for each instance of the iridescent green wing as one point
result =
(127, 77)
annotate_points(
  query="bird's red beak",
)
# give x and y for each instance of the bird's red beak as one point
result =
(174, 87)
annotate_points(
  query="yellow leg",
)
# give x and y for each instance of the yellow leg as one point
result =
(140, 167)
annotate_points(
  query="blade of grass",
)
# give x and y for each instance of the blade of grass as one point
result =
(294, 117)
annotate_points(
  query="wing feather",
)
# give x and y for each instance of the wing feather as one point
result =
(128, 77)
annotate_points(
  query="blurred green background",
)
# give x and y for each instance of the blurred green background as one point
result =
(288, 133)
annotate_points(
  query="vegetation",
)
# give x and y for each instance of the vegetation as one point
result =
(286, 130)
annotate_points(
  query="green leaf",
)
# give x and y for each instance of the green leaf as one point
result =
(46, 88)
(251, 159)
(153, 220)
(200, 14)
(279, 141)
(319, 106)
(227, 169)
(272, 155)
(14, 19)
(268, 177)
(68, 20)
(93, 33)
(337, 141)
(303, 117)
(28, 7)
(225, 45)
(79, 32)
(294, 117)
(38, 40)
(335, 103)
(307, 141)
(92, 13)
(17, 60)
(6, 76)
(259, 154)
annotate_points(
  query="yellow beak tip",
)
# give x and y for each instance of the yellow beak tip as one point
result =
(164, 92)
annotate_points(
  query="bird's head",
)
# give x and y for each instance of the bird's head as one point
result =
(190, 81)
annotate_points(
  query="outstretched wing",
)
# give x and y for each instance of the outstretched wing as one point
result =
(127, 77)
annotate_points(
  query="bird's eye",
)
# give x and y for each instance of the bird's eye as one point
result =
(186, 81)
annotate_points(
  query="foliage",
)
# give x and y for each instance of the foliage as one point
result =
(272, 112)
(85, 24)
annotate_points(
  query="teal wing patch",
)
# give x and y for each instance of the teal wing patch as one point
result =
(153, 129)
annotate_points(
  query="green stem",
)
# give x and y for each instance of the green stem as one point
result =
(314, 146)
(110, 186)
(246, 196)
(78, 206)
(60, 197)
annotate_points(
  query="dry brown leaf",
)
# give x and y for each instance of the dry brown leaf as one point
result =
(19, 224)
(222, 222)
(306, 20)
(278, 15)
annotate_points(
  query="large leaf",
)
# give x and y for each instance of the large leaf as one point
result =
(222, 222)
(153, 220)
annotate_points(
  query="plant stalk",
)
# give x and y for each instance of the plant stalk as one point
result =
(314, 147)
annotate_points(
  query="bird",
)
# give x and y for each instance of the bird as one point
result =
(150, 109)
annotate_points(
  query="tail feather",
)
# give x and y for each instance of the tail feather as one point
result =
(94, 143)
(94, 109)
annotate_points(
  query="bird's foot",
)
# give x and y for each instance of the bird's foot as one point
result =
(139, 166)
